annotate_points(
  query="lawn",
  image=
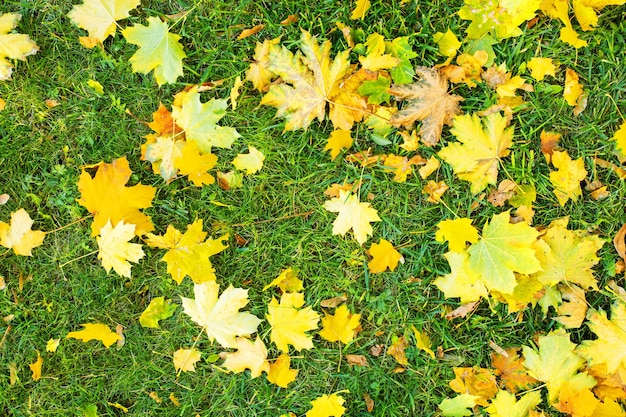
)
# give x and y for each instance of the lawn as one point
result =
(69, 107)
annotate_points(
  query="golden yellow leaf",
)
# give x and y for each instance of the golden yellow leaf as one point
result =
(456, 232)
(397, 349)
(290, 322)
(234, 92)
(339, 139)
(586, 11)
(432, 165)
(287, 281)
(220, 317)
(462, 281)
(185, 359)
(510, 370)
(342, 326)
(195, 165)
(99, 17)
(249, 355)
(573, 310)
(360, 8)
(353, 214)
(35, 367)
(13, 45)
(506, 405)
(252, 162)
(188, 253)
(482, 143)
(163, 152)
(422, 341)
(576, 399)
(279, 372)
(159, 50)
(573, 89)
(447, 42)
(106, 196)
(475, 381)
(258, 73)
(327, 406)
(559, 9)
(429, 102)
(384, 256)
(540, 67)
(566, 179)
(249, 32)
(95, 331)
(402, 165)
(435, 190)
(52, 345)
(114, 249)
(610, 347)
(375, 58)
(620, 142)
(18, 234)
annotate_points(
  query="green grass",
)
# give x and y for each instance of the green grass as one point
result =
(42, 151)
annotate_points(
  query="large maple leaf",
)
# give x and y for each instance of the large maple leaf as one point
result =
(18, 234)
(188, 253)
(99, 17)
(353, 214)
(115, 250)
(310, 82)
(429, 102)
(13, 45)
(199, 120)
(290, 322)
(567, 255)
(106, 196)
(610, 347)
(220, 317)
(250, 355)
(482, 143)
(342, 326)
(505, 404)
(159, 50)
(503, 249)
(501, 18)
(327, 406)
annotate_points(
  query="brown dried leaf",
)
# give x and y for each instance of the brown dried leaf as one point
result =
(429, 102)
(511, 371)
(377, 350)
(249, 32)
(505, 191)
(369, 403)
(397, 350)
(463, 310)
(333, 302)
(292, 18)
(619, 241)
(549, 143)
(617, 170)
(358, 360)
(4, 198)
(475, 381)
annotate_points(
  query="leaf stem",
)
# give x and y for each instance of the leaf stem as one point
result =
(70, 224)
(290, 216)
(80, 257)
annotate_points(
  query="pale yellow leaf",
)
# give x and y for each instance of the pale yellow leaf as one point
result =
(252, 162)
(18, 234)
(114, 249)
(185, 359)
(99, 17)
(353, 214)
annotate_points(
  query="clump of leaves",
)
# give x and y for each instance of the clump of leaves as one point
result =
(13, 45)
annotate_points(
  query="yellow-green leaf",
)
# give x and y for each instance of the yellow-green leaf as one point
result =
(95, 331)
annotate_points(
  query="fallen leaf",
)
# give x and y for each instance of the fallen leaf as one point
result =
(549, 143)
(456, 232)
(185, 359)
(506, 190)
(619, 241)
(358, 360)
(620, 142)
(249, 32)
(377, 350)
(353, 214)
(360, 8)
(510, 370)
(506, 405)
(95, 331)
(384, 256)
(462, 310)
(327, 406)
(287, 281)
(290, 322)
(475, 381)
(459, 406)
(540, 67)
(435, 190)
(258, 73)
(18, 234)
(249, 355)
(342, 326)
(339, 139)
(566, 179)
(52, 345)
(396, 350)
(114, 249)
(13, 377)
(158, 309)
(155, 397)
(333, 302)
(195, 164)
(432, 164)
(573, 310)
(369, 403)
(280, 372)
(252, 162)
(422, 341)
(573, 90)
(35, 367)
(610, 347)
(4, 198)
(14, 45)
(99, 17)
(292, 18)
(174, 400)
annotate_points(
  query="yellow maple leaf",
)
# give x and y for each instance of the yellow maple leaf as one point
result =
(432, 165)
(35, 367)
(52, 345)
(159, 50)
(555, 363)
(447, 43)
(185, 359)
(252, 162)
(503, 249)
(106, 196)
(540, 67)
(188, 253)
(327, 406)
(18, 234)
(482, 143)
(250, 355)
(567, 256)
(342, 326)
(397, 349)
(13, 45)
(576, 399)
(220, 317)
(422, 341)
(475, 381)
(375, 58)
(114, 249)
(99, 17)
(566, 179)
(199, 120)
(506, 405)
(402, 165)
(429, 102)
(195, 165)
(353, 214)
(258, 73)
(509, 368)
(559, 9)
(384, 256)
(360, 8)
(462, 281)
(290, 322)
(573, 89)
(163, 152)
(158, 309)
(339, 139)
(620, 142)
(287, 281)
(586, 11)
(95, 331)
(456, 232)
(435, 190)
(310, 81)
(610, 346)
(279, 373)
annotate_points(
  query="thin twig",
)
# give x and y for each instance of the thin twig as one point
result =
(291, 216)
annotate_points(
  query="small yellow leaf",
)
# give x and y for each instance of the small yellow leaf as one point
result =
(185, 359)
(35, 367)
(456, 232)
(566, 179)
(13, 45)
(540, 67)
(195, 164)
(287, 281)
(290, 322)
(620, 142)
(447, 42)
(3, 104)
(99, 17)
(573, 90)
(95, 331)
(327, 406)
(573, 310)
(250, 355)
(115, 250)
(13, 377)
(280, 373)
(342, 326)
(96, 86)
(118, 406)
(18, 236)
(396, 349)
(422, 341)
(339, 139)
(234, 92)
(384, 256)
(353, 214)
(435, 190)
(52, 345)
(252, 162)
(249, 32)
(360, 8)
(432, 165)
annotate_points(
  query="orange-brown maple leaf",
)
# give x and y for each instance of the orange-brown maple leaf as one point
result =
(511, 371)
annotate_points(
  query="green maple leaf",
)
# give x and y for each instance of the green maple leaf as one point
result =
(159, 50)
(501, 18)
(503, 249)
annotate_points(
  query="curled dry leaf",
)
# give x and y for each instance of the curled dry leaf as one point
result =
(249, 32)
(333, 302)
(619, 241)
(369, 403)
(358, 360)
(463, 310)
